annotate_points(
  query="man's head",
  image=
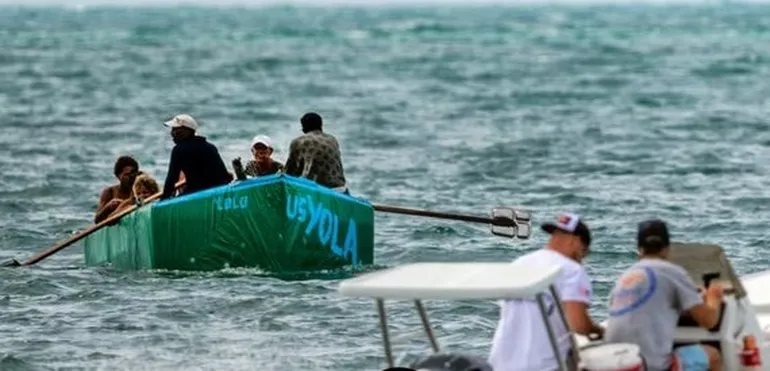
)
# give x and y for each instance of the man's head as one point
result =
(652, 238)
(311, 121)
(569, 235)
(182, 127)
(261, 148)
(125, 170)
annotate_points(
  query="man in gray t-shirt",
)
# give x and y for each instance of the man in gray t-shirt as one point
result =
(648, 299)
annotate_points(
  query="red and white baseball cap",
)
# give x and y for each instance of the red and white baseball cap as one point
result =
(572, 224)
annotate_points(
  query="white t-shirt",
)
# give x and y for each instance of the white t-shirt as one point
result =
(521, 339)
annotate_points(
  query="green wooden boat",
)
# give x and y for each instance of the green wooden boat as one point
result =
(277, 223)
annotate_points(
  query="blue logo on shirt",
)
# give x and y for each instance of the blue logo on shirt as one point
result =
(633, 290)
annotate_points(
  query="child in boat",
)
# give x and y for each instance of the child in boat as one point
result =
(144, 187)
(262, 164)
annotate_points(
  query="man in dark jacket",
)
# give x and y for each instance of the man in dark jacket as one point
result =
(197, 158)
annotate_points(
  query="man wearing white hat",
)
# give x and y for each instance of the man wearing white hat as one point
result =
(262, 164)
(195, 156)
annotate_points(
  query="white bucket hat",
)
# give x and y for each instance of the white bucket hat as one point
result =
(262, 139)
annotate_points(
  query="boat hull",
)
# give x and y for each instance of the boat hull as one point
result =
(276, 223)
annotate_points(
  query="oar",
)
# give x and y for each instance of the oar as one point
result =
(504, 222)
(82, 234)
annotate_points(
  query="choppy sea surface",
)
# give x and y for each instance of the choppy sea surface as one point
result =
(618, 113)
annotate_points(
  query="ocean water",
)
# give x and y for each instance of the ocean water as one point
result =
(618, 113)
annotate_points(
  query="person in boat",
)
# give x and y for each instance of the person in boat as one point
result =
(125, 169)
(262, 164)
(648, 299)
(144, 187)
(521, 340)
(316, 155)
(199, 160)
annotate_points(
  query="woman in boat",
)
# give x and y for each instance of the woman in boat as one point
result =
(144, 187)
(126, 169)
(262, 164)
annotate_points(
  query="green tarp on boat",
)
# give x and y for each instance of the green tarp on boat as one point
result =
(276, 223)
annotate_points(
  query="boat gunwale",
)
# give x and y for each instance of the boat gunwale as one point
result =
(260, 181)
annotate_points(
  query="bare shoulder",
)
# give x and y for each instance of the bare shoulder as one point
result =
(109, 192)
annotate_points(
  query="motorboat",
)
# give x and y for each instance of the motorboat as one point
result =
(745, 309)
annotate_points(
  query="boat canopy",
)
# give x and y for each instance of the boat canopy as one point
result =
(453, 281)
(701, 259)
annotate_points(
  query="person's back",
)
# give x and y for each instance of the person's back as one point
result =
(648, 299)
(645, 307)
(521, 340)
(201, 163)
(199, 160)
(316, 155)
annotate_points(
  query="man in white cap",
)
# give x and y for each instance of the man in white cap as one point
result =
(521, 341)
(197, 158)
(262, 164)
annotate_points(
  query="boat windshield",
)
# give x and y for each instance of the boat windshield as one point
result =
(701, 259)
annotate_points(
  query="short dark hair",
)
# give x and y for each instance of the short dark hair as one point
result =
(123, 162)
(652, 236)
(311, 121)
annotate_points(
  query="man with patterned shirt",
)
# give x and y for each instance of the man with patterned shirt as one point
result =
(316, 155)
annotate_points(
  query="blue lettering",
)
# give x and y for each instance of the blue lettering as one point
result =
(291, 207)
(231, 203)
(335, 245)
(315, 215)
(325, 224)
(351, 242)
(300, 206)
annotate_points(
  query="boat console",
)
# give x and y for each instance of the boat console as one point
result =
(706, 264)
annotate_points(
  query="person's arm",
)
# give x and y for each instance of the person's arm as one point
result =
(106, 206)
(122, 206)
(292, 166)
(104, 198)
(576, 297)
(579, 320)
(174, 168)
(704, 310)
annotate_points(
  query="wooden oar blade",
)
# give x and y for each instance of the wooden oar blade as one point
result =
(511, 223)
(10, 263)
